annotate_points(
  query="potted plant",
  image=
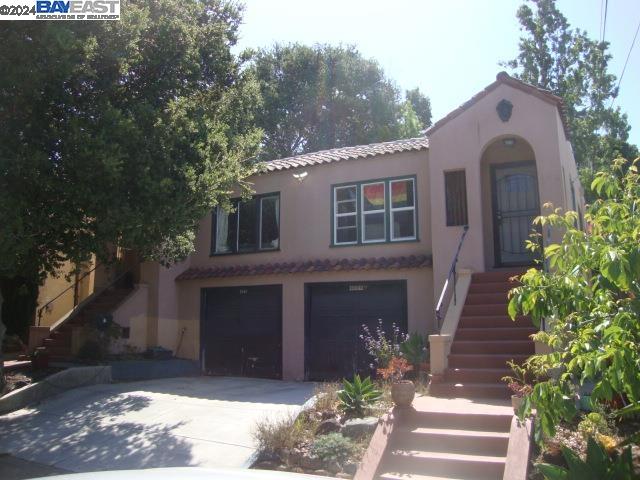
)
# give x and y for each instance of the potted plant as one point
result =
(402, 391)
(518, 384)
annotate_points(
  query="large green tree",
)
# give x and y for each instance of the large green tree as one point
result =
(554, 56)
(322, 96)
(117, 133)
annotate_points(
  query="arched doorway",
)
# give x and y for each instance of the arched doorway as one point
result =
(510, 201)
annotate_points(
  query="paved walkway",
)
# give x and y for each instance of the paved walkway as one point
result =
(202, 421)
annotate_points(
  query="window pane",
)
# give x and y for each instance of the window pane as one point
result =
(347, 207)
(403, 224)
(373, 197)
(347, 221)
(270, 234)
(456, 198)
(345, 193)
(402, 194)
(247, 229)
(226, 226)
(374, 227)
(346, 235)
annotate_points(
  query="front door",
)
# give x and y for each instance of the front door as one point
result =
(515, 205)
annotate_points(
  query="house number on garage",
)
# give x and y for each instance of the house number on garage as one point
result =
(243, 291)
(357, 288)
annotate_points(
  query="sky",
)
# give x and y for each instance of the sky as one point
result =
(450, 49)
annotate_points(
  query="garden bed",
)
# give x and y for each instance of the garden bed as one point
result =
(323, 439)
(21, 378)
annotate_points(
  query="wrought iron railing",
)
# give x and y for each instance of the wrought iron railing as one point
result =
(452, 279)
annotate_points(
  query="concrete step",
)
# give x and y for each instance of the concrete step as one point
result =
(486, 298)
(476, 375)
(496, 275)
(469, 390)
(57, 342)
(470, 442)
(55, 350)
(485, 309)
(465, 360)
(413, 476)
(490, 287)
(478, 467)
(499, 321)
(484, 422)
(521, 347)
(498, 333)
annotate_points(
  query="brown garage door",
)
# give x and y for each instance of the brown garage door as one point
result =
(334, 318)
(241, 331)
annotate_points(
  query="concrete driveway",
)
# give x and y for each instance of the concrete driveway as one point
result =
(203, 421)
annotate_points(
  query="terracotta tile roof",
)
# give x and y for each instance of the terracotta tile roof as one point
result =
(505, 78)
(347, 153)
(309, 266)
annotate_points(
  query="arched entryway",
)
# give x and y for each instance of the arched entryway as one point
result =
(510, 201)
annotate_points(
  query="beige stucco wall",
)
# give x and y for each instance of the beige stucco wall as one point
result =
(461, 142)
(419, 307)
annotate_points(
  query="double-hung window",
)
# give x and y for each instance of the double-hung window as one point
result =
(252, 226)
(374, 212)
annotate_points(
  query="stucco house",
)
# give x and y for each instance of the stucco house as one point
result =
(281, 286)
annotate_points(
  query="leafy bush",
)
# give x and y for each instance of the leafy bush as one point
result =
(395, 370)
(276, 435)
(355, 397)
(333, 447)
(592, 424)
(92, 351)
(591, 295)
(380, 346)
(597, 466)
(518, 383)
(415, 350)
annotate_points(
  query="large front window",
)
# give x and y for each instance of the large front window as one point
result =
(252, 226)
(374, 212)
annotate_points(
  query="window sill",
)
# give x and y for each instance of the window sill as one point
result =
(373, 244)
(233, 254)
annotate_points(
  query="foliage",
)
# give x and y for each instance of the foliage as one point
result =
(597, 466)
(118, 134)
(322, 96)
(421, 105)
(396, 369)
(380, 346)
(326, 395)
(415, 350)
(590, 297)
(333, 447)
(519, 382)
(567, 62)
(592, 424)
(357, 396)
(277, 435)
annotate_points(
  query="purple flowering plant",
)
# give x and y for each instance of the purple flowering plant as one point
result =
(382, 346)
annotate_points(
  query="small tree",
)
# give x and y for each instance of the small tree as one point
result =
(590, 296)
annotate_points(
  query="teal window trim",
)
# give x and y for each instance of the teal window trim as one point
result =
(388, 212)
(235, 202)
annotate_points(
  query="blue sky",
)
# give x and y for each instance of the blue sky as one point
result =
(448, 48)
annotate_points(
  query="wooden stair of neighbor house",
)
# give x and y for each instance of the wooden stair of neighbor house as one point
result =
(58, 344)
(486, 339)
(448, 439)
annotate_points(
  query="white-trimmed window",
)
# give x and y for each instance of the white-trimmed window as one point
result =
(374, 225)
(402, 197)
(345, 204)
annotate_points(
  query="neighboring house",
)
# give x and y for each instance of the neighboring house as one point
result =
(331, 240)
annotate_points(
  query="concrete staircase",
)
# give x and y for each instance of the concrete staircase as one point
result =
(58, 344)
(461, 431)
(485, 340)
(448, 439)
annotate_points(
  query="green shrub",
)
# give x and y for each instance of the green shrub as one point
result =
(593, 423)
(275, 435)
(597, 466)
(355, 397)
(333, 447)
(414, 349)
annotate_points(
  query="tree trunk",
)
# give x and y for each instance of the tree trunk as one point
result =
(20, 295)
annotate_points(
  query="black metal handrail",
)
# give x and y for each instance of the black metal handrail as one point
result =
(454, 274)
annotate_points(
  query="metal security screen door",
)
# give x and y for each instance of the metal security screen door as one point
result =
(515, 205)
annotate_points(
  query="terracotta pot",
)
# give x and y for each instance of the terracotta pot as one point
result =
(516, 402)
(403, 392)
